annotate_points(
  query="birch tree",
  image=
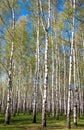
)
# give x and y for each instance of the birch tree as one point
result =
(53, 105)
(57, 86)
(74, 60)
(36, 84)
(65, 103)
(46, 31)
(69, 88)
(9, 95)
(72, 57)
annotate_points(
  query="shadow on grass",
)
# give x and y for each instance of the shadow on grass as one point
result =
(16, 120)
(81, 125)
(2, 121)
(22, 120)
(56, 127)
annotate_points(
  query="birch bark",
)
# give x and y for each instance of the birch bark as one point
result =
(9, 94)
(74, 62)
(53, 112)
(60, 94)
(44, 104)
(65, 104)
(69, 88)
(57, 89)
(36, 84)
(46, 30)
(70, 69)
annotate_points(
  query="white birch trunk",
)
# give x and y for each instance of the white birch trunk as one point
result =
(19, 92)
(65, 107)
(53, 111)
(24, 102)
(69, 88)
(29, 95)
(57, 89)
(70, 69)
(75, 90)
(44, 103)
(36, 71)
(79, 99)
(60, 92)
(35, 101)
(74, 62)
(48, 101)
(16, 102)
(78, 86)
(9, 94)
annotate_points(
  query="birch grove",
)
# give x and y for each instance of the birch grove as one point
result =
(42, 60)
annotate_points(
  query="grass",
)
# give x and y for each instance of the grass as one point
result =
(24, 122)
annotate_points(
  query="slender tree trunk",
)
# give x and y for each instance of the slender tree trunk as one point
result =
(35, 101)
(79, 99)
(46, 29)
(16, 102)
(65, 107)
(53, 112)
(36, 71)
(9, 94)
(44, 103)
(15, 92)
(70, 69)
(78, 86)
(74, 62)
(19, 92)
(24, 102)
(57, 90)
(83, 73)
(75, 91)
(60, 92)
(69, 109)
(29, 95)
(48, 101)
(69, 88)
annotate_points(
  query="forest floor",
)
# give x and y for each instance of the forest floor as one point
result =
(24, 122)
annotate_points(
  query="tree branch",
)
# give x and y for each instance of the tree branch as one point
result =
(5, 26)
(9, 4)
(41, 12)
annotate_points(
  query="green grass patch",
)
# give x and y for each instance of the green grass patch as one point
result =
(24, 122)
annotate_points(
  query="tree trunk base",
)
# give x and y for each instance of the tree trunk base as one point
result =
(68, 125)
(34, 117)
(44, 124)
(34, 120)
(57, 117)
(75, 124)
(14, 114)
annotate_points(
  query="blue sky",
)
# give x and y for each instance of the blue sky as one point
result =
(60, 5)
(25, 12)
